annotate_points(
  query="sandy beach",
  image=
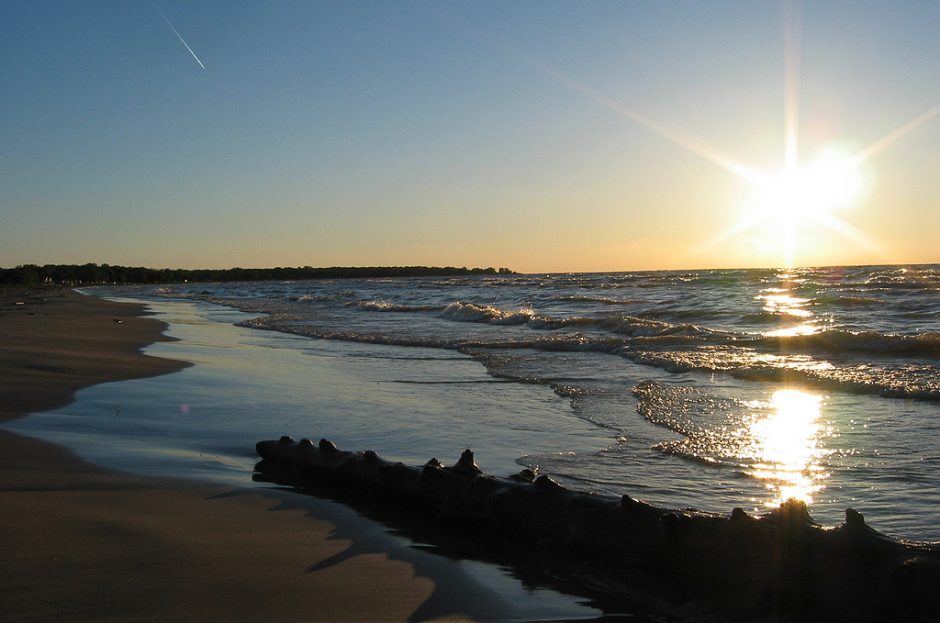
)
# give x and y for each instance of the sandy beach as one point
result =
(85, 543)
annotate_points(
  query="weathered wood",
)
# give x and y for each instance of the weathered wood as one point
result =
(778, 566)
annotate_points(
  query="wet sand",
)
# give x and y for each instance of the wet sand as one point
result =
(85, 543)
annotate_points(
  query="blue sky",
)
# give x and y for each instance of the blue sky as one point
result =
(484, 133)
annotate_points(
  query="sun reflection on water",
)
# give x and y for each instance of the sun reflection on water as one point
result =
(781, 302)
(777, 439)
(785, 445)
(800, 329)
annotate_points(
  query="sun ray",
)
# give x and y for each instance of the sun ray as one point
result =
(791, 85)
(741, 226)
(678, 136)
(897, 134)
(792, 54)
(799, 194)
(854, 234)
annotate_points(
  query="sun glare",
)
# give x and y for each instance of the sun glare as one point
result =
(793, 205)
(798, 193)
(786, 209)
(800, 198)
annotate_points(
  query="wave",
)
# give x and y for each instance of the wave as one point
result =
(338, 295)
(313, 298)
(715, 429)
(913, 381)
(839, 341)
(886, 284)
(694, 313)
(603, 333)
(296, 327)
(920, 315)
(384, 306)
(567, 391)
(620, 324)
(679, 331)
(646, 332)
(607, 331)
(761, 317)
(830, 342)
(845, 301)
(285, 323)
(471, 312)
(593, 300)
(684, 409)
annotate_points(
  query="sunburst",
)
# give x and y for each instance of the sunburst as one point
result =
(796, 197)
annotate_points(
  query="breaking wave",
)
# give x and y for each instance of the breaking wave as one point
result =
(471, 312)
(913, 381)
(875, 329)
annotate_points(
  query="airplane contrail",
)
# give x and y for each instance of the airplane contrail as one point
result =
(177, 33)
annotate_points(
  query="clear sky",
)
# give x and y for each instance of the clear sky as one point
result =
(543, 136)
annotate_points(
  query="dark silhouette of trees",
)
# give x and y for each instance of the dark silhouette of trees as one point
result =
(91, 274)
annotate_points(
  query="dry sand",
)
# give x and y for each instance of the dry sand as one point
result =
(83, 543)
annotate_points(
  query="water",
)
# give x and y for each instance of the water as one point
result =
(706, 389)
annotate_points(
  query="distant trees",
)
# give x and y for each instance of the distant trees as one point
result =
(91, 274)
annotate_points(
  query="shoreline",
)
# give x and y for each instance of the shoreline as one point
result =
(92, 544)
(57, 341)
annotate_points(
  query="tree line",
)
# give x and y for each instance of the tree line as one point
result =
(91, 274)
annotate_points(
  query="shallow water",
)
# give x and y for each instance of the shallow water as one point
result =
(247, 385)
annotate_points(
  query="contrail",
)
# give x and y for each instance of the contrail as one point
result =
(177, 33)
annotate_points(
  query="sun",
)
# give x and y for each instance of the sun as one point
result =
(796, 194)
(798, 199)
(794, 206)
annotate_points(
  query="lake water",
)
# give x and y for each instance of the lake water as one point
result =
(705, 389)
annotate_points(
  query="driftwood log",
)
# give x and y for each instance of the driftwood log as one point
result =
(677, 564)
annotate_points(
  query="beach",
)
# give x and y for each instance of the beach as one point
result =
(490, 311)
(85, 543)
(575, 376)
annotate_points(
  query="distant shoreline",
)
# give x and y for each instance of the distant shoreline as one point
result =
(95, 274)
(76, 275)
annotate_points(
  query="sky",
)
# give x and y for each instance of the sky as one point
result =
(542, 136)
